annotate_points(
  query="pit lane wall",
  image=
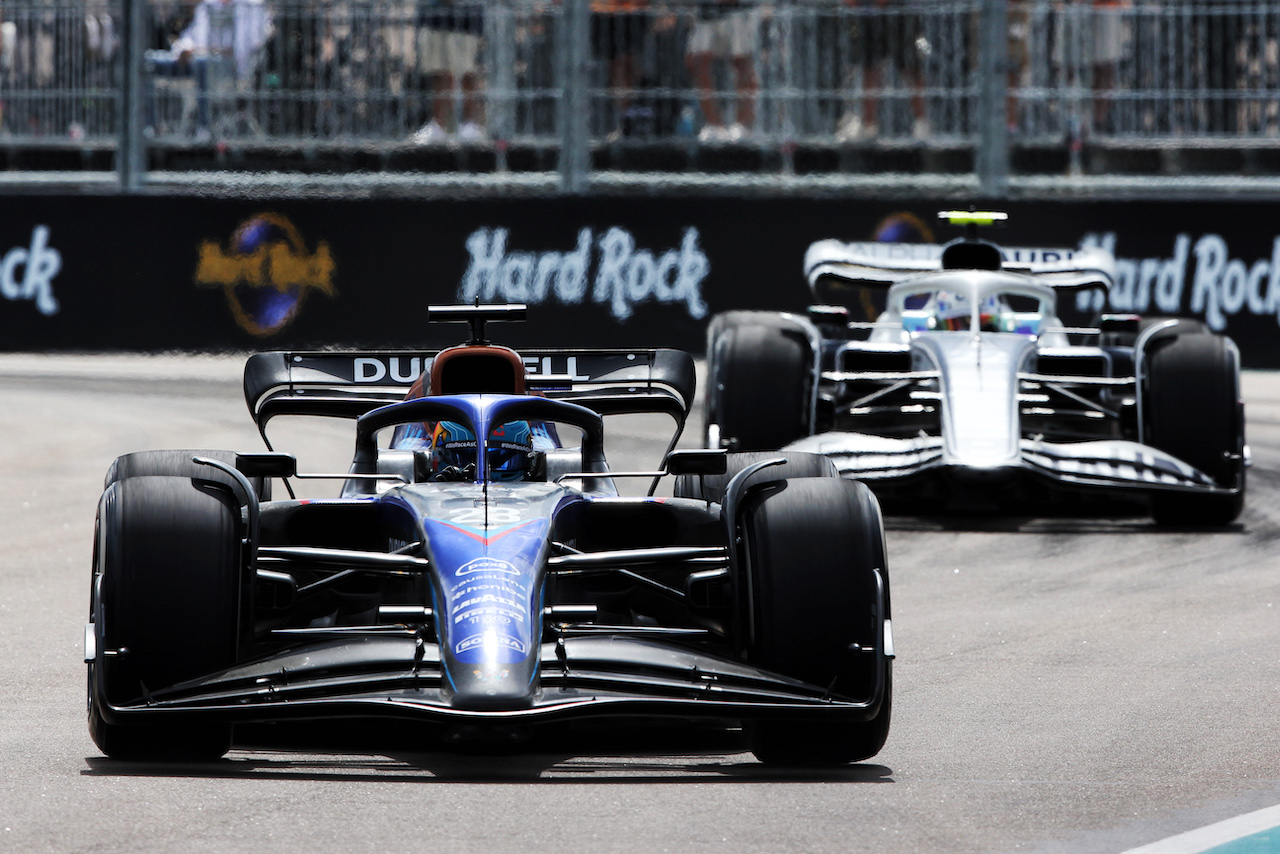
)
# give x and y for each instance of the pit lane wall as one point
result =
(135, 273)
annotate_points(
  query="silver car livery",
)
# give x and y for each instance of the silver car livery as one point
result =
(969, 392)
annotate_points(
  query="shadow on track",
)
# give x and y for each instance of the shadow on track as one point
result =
(619, 755)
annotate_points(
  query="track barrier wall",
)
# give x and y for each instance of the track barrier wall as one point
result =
(139, 273)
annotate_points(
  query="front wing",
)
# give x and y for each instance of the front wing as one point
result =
(1112, 463)
(395, 675)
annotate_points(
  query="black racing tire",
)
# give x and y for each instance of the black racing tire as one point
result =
(710, 487)
(814, 547)
(760, 382)
(169, 573)
(178, 463)
(1181, 326)
(1192, 410)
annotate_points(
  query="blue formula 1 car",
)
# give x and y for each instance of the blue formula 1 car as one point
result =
(479, 572)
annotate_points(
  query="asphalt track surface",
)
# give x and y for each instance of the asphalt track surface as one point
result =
(1061, 686)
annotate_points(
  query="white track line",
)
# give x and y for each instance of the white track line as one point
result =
(1213, 835)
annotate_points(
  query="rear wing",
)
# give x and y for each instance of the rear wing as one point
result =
(874, 264)
(349, 384)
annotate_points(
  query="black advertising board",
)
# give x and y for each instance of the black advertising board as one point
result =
(139, 273)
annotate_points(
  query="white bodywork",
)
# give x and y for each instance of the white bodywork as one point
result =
(981, 373)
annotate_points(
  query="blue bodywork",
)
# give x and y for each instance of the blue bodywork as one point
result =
(487, 545)
(480, 605)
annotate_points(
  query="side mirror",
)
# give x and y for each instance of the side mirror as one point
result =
(1120, 323)
(697, 462)
(267, 465)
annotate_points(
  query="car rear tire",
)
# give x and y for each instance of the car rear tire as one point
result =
(710, 487)
(1192, 410)
(168, 573)
(760, 371)
(814, 547)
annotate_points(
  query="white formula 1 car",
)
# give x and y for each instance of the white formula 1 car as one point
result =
(968, 391)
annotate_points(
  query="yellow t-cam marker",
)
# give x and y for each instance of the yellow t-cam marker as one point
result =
(973, 217)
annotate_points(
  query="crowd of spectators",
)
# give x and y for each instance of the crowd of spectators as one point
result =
(719, 71)
(223, 41)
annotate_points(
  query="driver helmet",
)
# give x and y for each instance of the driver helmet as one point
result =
(510, 447)
(510, 451)
(453, 446)
(995, 315)
(952, 311)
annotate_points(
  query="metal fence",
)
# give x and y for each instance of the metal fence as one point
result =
(973, 94)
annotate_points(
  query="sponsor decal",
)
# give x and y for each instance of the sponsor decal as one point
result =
(490, 610)
(1038, 257)
(544, 367)
(486, 564)
(490, 675)
(485, 528)
(902, 227)
(26, 272)
(491, 615)
(897, 236)
(488, 638)
(407, 369)
(1198, 277)
(608, 269)
(485, 599)
(266, 272)
(474, 588)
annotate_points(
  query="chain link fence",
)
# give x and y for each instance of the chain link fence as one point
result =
(992, 96)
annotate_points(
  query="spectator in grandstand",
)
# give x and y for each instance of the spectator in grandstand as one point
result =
(889, 32)
(823, 42)
(1257, 63)
(1089, 45)
(223, 36)
(8, 36)
(100, 36)
(8, 42)
(1217, 31)
(449, 43)
(1108, 50)
(303, 56)
(618, 30)
(1018, 23)
(729, 30)
(169, 18)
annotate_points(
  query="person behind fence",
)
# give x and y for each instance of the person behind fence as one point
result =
(169, 19)
(8, 42)
(617, 33)
(888, 33)
(1018, 46)
(224, 37)
(1090, 42)
(728, 30)
(1109, 48)
(449, 43)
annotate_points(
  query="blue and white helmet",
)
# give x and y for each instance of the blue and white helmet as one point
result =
(509, 449)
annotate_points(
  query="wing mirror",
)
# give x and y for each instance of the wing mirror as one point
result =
(267, 465)
(697, 462)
